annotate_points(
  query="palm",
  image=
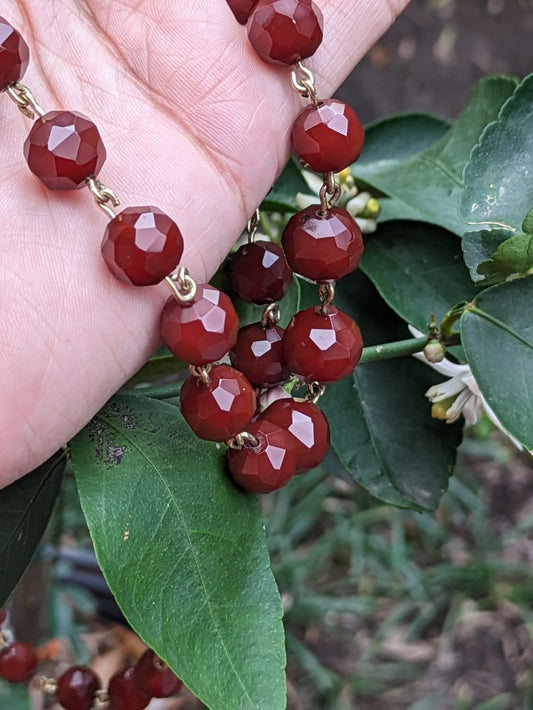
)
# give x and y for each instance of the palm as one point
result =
(193, 123)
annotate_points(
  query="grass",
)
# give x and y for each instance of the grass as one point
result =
(388, 608)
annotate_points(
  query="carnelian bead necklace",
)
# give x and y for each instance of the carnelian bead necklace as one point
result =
(142, 246)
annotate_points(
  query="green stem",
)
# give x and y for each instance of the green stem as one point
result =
(392, 350)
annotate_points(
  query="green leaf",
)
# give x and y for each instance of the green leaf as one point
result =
(527, 224)
(281, 197)
(431, 181)
(183, 552)
(498, 179)
(161, 365)
(381, 426)
(479, 246)
(513, 256)
(497, 336)
(14, 697)
(25, 509)
(418, 269)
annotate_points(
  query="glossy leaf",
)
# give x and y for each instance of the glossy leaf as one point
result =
(497, 336)
(418, 269)
(480, 246)
(289, 304)
(513, 256)
(183, 552)
(498, 178)
(25, 509)
(281, 197)
(527, 224)
(381, 426)
(431, 180)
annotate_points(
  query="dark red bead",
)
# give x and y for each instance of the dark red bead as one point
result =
(76, 688)
(323, 247)
(63, 149)
(219, 410)
(285, 31)
(267, 466)
(259, 354)
(328, 138)
(202, 331)
(308, 426)
(259, 272)
(14, 54)
(125, 694)
(142, 246)
(242, 9)
(322, 347)
(18, 662)
(154, 677)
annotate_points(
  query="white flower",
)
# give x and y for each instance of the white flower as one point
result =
(460, 392)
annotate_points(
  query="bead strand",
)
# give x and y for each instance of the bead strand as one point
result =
(79, 688)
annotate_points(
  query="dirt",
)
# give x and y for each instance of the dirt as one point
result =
(436, 51)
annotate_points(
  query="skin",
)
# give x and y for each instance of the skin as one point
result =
(193, 123)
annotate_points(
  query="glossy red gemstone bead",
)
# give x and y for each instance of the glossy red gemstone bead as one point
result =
(285, 31)
(154, 677)
(259, 272)
(77, 687)
(202, 331)
(308, 426)
(259, 354)
(63, 149)
(142, 246)
(14, 54)
(323, 247)
(242, 9)
(267, 466)
(219, 410)
(328, 138)
(322, 347)
(125, 694)
(18, 662)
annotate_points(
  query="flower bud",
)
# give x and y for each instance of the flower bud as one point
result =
(434, 351)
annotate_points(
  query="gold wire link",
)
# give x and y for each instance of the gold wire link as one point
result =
(201, 372)
(314, 392)
(271, 315)
(101, 697)
(102, 195)
(24, 99)
(305, 85)
(48, 685)
(242, 440)
(329, 192)
(4, 641)
(252, 226)
(182, 285)
(326, 293)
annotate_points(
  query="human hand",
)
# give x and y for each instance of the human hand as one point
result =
(193, 123)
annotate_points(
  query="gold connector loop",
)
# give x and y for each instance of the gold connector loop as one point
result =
(102, 195)
(271, 315)
(329, 192)
(201, 372)
(314, 392)
(48, 685)
(326, 294)
(24, 100)
(252, 226)
(242, 441)
(182, 285)
(305, 85)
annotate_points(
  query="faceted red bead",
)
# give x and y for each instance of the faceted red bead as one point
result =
(14, 54)
(219, 410)
(18, 662)
(242, 9)
(285, 31)
(308, 426)
(323, 247)
(259, 272)
(63, 149)
(259, 354)
(142, 246)
(154, 677)
(328, 138)
(77, 687)
(202, 331)
(322, 347)
(267, 466)
(125, 694)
